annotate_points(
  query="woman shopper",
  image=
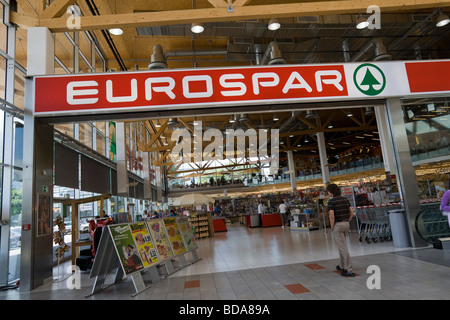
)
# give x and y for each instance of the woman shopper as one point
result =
(341, 213)
(445, 205)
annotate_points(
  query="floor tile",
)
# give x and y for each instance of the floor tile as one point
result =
(314, 266)
(192, 284)
(296, 288)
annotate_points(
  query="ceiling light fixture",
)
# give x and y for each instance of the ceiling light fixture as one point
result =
(274, 24)
(362, 23)
(197, 28)
(158, 125)
(442, 19)
(275, 117)
(116, 31)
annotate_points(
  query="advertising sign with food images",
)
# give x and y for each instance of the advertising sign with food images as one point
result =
(126, 248)
(159, 236)
(186, 233)
(174, 236)
(144, 243)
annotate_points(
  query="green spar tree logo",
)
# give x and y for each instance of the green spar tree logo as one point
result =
(370, 83)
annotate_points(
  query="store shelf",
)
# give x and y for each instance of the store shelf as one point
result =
(201, 225)
(305, 217)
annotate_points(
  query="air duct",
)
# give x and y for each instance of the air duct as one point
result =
(369, 111)
(244, 118)
(381, 53)
(172, 123)
(273, 55)
(158, 61)
(310, 114)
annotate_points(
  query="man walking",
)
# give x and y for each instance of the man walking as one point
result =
(341, 213)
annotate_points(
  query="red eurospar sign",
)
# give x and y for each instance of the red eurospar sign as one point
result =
(171, 89)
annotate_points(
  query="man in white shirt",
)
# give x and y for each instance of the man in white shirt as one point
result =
(283, 213)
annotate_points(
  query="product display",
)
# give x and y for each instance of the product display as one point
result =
(174, 234)
(201, 225)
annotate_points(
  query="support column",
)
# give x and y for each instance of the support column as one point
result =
(122, 173)
(385, 142)
(323, 158)
(37, 235)
(291, 168)
(406, 176)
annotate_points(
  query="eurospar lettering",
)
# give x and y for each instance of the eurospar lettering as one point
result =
(76, 90)
(186, 87)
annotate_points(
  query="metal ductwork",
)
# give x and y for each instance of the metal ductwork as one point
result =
(381, 52)
(158, 60)
(244, 118)
(310, 114)
(273, 55)
(369, 111)
(172, 123)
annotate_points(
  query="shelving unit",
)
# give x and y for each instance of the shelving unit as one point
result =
(306, 217)
(201, 225)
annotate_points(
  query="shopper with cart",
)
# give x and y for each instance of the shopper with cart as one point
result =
(341, 213)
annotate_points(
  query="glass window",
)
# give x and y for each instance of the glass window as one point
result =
(21, 47)
(2, 77)
(3, 30)
(101, 126)
(15, 226)
(101, 140)
(99, 63)
(67, 129)
(85, 47)
(19, 89)
(64, 51)
(86, 134)
(84, 68)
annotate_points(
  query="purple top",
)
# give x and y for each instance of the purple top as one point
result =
(445, 203)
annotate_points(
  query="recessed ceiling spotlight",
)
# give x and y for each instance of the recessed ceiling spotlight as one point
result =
(274, 24)
(197, 28)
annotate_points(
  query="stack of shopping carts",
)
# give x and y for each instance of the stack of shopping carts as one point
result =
(373, 222)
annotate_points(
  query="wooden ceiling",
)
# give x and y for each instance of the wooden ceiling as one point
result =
(233, 28)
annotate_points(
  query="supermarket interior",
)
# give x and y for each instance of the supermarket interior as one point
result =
(142, 159)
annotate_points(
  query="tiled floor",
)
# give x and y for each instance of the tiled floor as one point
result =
(275, 263)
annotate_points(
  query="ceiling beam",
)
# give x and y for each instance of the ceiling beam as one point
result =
(286, 10)
(56, 9)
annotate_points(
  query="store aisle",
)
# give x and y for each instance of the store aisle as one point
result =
(277, 264)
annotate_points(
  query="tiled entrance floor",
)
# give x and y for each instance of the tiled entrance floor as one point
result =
(273, 264)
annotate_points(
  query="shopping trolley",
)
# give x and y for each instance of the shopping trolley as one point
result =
(375, 222)
(365, 220)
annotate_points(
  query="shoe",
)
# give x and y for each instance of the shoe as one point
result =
(338, 268)
(345, 273)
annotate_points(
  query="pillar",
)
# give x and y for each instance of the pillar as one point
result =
(37, 243)
(291, 168)
(122, 172)
(323, 158)
(406, 176)
(385, 142)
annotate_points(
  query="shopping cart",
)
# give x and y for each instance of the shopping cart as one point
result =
(375, 221)
(366, 221)
(383, 229)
